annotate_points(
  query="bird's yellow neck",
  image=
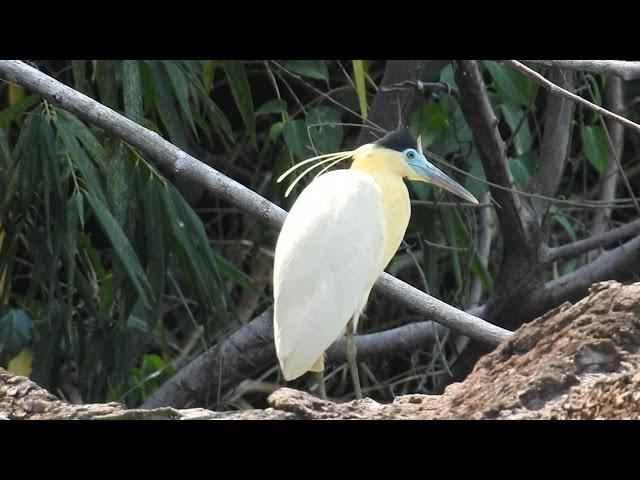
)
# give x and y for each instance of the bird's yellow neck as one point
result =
(395, 196)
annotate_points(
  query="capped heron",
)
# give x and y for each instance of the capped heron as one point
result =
(340, 235)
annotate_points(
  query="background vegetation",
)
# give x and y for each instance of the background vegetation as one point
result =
(113, 275)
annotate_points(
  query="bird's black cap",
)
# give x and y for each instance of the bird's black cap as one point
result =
(399, 141)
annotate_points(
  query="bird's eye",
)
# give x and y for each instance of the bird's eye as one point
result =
(411, 154)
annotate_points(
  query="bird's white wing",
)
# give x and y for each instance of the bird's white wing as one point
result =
(329, 254)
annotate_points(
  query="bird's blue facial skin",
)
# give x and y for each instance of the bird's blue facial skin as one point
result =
(430, 174)
(417, 162)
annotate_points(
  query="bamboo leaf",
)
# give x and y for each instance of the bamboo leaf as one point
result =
(242, 94)
(272, 106)
(208, 69)
(122, 248)
(166, 105)
(308, 68)
(181, 90)
(132, 90)
(358, 73)
(16, 109)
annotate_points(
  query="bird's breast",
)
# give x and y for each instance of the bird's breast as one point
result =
(397, 211)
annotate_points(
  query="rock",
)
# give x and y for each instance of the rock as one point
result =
(577, 361)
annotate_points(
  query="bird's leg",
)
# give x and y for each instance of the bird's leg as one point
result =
(321, 389)
(351, 359)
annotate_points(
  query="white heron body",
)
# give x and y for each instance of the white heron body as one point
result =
(337, 239)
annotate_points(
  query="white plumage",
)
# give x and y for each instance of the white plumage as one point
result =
(329, 253)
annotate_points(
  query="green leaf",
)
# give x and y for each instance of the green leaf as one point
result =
(84, 136)
(308, 68)
(595, 88)
(564, 222)
(446, 216)
(510, 83)
(275, 131)
(81, 160)
(166, 105)
(358, 73)
(132, 90)
(430, 122)
(296, 137)
(122, 248)
(482, 274)
(325, 130)
(272, 106)
(218, 117)
(16, 328)
(208, 69)
(476, 187)
(242, 94)
(14, 111)
(519, 171)
(237, 276)
(595, 146)
(181, 90)
(192, 240)
(105, 73)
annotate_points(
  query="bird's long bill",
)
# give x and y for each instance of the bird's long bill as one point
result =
(428, 173)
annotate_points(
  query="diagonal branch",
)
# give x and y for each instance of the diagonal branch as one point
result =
(616, 263)
(581, 246)
(555, 89)
(555, 144)
(484, 125)
(614, 100)
(619, 68)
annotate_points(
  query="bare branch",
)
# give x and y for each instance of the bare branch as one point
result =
(614, 100)
(619, 68)
(484, 124)
(616, 263)
(558, 119)
(597, 241)
(484, 248)
(556, 90)
(432, 308)
(250, 350)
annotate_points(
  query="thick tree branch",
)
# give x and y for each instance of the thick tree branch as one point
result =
(556, 90)
(250, 350)
(558, 119)
(597, 241)
(619, 68)
(616, 263)
(484, 125)
(391, 107)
